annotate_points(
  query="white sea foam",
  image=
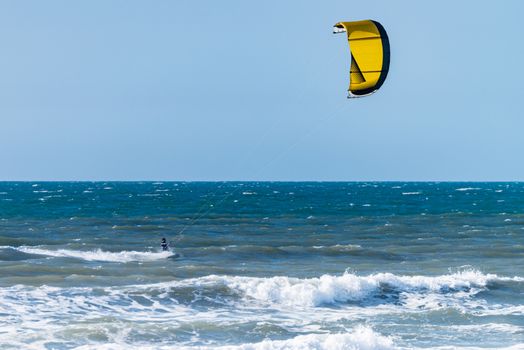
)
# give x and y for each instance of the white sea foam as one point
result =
(495, 310)
(410, 193)
(487, 327)
(361, 338)
(462, 189)
(339, 247)
(98, 254)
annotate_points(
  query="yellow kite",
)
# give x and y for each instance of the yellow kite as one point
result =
(369, 48)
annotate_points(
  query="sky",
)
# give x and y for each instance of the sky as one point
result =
(256, 90)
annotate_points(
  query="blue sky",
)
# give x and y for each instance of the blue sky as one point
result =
(244, 90)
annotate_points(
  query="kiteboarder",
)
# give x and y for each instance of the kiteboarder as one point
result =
(164, 244)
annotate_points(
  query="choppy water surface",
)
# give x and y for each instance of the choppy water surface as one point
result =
(262, 265)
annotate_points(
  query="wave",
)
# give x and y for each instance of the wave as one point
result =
(361, 338)
(389, 291)
(236, 299)
(328, 289)
(98, 254)
(7, 242)
(462, 189)
(406, 292)
(338, 247)
(488, 327)
(275, 250)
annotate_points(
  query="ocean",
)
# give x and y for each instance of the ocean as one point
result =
(261, 265)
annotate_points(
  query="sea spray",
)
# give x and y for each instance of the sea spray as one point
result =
(98, 254)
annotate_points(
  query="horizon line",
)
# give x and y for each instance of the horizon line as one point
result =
(276, 181)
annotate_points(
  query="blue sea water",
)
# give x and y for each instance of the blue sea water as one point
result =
(261, 265)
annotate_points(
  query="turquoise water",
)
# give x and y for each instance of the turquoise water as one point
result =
(261, 265)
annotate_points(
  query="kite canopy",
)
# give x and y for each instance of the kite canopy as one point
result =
(369, 48)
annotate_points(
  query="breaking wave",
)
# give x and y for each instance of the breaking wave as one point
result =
(329, 289)
(455, 290)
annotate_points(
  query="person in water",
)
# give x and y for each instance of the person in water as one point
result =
(164, 244)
